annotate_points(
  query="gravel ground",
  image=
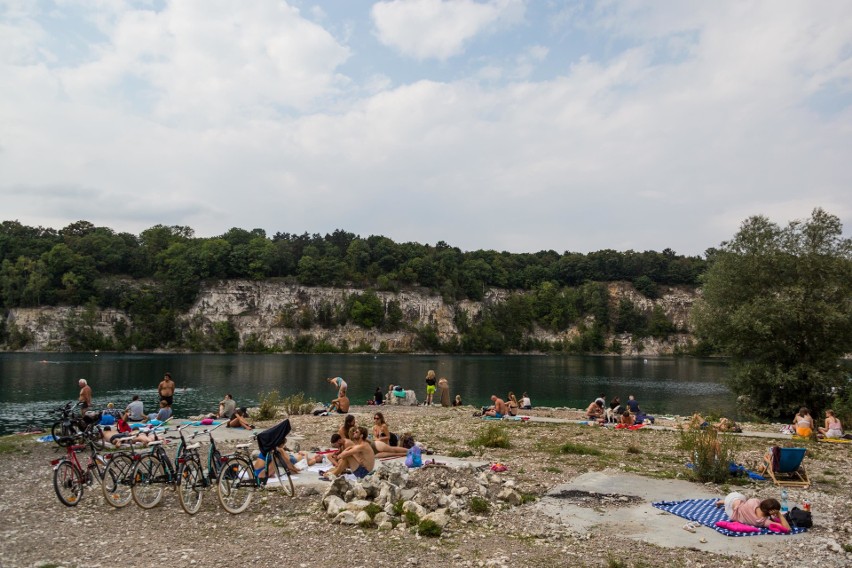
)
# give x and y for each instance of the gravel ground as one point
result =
(40, 531)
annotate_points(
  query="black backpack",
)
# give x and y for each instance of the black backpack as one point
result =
(799, 518)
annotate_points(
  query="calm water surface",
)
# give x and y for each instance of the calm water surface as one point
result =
(33, 383)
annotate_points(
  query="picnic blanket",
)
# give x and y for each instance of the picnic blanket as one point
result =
(706, 512)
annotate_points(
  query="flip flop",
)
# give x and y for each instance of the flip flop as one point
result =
(690, 527)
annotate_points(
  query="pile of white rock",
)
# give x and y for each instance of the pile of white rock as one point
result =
(432, 493)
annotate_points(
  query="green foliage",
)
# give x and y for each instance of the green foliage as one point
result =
(366, 310)
(479, 505)
(429, 528)
(493, 436)
(460, 454)
(268, 407)
(777, 301)
(225, 336)
(647, 287)
(372, 509)
(297, 404)
(397, 507)
(411, 518)
(710, 453)
(579, 450)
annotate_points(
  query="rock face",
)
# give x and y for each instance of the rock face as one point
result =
(264, 312)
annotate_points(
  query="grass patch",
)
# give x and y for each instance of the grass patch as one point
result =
(429, 528)
(634, 449)
(613, 562)
(268, 407)
(372, 509)
(552, 469)
(411, 518)
(829, 472)
(297, 404)
(579, 450)
(528, 498)
(9, 445)
(479, 506)
(397, 507)
(460, 454)
(847, 547)
(493, 436)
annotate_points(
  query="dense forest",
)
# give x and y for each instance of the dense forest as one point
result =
(155, 276)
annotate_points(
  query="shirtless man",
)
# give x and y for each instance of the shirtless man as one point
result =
(340, 404)
(85, 395)
(339, 443)
(166, 389)
(359, 458)
(499, 408)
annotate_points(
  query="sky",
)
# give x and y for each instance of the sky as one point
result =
(488, 124)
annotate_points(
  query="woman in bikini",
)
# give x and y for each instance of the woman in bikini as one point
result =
(803, 423)
(381, 442)
(833, 427)
(512, 403)
(348, 424)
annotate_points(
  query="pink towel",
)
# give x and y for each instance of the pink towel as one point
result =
(735, 526)
(777, 527)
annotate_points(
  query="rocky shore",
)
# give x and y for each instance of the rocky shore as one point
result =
(506, 526)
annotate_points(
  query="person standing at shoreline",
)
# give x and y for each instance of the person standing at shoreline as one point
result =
(430, 386)
(444, 387)
(340, 384)
(166, 389)
(85, 395)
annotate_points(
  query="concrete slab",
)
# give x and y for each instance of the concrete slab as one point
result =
(644, 522)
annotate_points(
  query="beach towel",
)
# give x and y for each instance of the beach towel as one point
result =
(48, 438)
(835, 440)
(704, 511)
(626, 427)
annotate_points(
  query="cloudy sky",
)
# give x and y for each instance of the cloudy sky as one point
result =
(497, 124)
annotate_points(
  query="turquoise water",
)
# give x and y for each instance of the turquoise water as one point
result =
(33, 383)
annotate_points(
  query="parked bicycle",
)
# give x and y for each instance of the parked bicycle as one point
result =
(193, 478)
(118, 475)
(239, 479)
(71, 425)
(70, 477)
(154, 470)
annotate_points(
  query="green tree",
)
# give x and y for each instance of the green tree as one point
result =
(779, 302)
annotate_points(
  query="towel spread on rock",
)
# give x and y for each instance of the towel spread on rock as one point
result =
(704, 511)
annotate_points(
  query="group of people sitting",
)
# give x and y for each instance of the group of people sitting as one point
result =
(236, 417)
(626, 415)
(509, 407)
(803, 424)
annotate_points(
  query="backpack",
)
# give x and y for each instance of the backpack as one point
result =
(799, 518)
(413, 458)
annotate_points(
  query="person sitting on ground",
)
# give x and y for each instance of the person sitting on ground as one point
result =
(291, 459)
(239, 419)
(340, 404)
(626, 419)
(753, 511)
(697, 422)
(227, 406)
(615, 410)
(595, 410)
(803, 423)
(457, 401)
(727, 425)
(135, 410)
(498, 408)
(526, 403)
(512, 404)
(163, 414)
(348, 423)
(833, 427)
(359, 458)
(339, 443)
(381, 431)
(111, 410)
(378, 397)
(632, 404)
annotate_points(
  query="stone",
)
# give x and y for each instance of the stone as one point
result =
(439, 517)
(334, 505)
(363, 517)
(510, 496)
(346, 518)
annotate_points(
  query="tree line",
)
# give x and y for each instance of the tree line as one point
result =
(157, 274)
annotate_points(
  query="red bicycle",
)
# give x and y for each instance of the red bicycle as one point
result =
(70, 477)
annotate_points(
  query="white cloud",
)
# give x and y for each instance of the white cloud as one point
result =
(440, 29)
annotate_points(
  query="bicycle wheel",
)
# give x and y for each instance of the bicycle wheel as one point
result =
(68, 483)
(149, 478)
(94, 435)
(191, 486)
(117, 481)
(61, 434)
(282, 473)
(236, 485)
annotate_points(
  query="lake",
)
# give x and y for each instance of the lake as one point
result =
(31, 384)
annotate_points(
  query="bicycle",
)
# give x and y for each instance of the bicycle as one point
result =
(239, 480)
(70, 477)
(193, 479)
(69, 424)
(153, 470)
(118, 478)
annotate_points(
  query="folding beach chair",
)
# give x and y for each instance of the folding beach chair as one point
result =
(784, 466)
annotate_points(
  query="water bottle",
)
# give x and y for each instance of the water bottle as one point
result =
(783, 499)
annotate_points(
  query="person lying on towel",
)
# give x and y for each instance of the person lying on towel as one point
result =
(753, 511)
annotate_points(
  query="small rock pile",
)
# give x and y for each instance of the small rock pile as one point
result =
(432, 493)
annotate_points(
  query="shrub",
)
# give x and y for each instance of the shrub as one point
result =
(298, 404)
(397, 507)
(479, 505)
(268, 407)
(460, 454)
(429, 528)
(372, 509)
(411, 518)
(579, 450)
(493, 436)
(710, 453)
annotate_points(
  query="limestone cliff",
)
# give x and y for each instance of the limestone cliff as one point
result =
(260, 310)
